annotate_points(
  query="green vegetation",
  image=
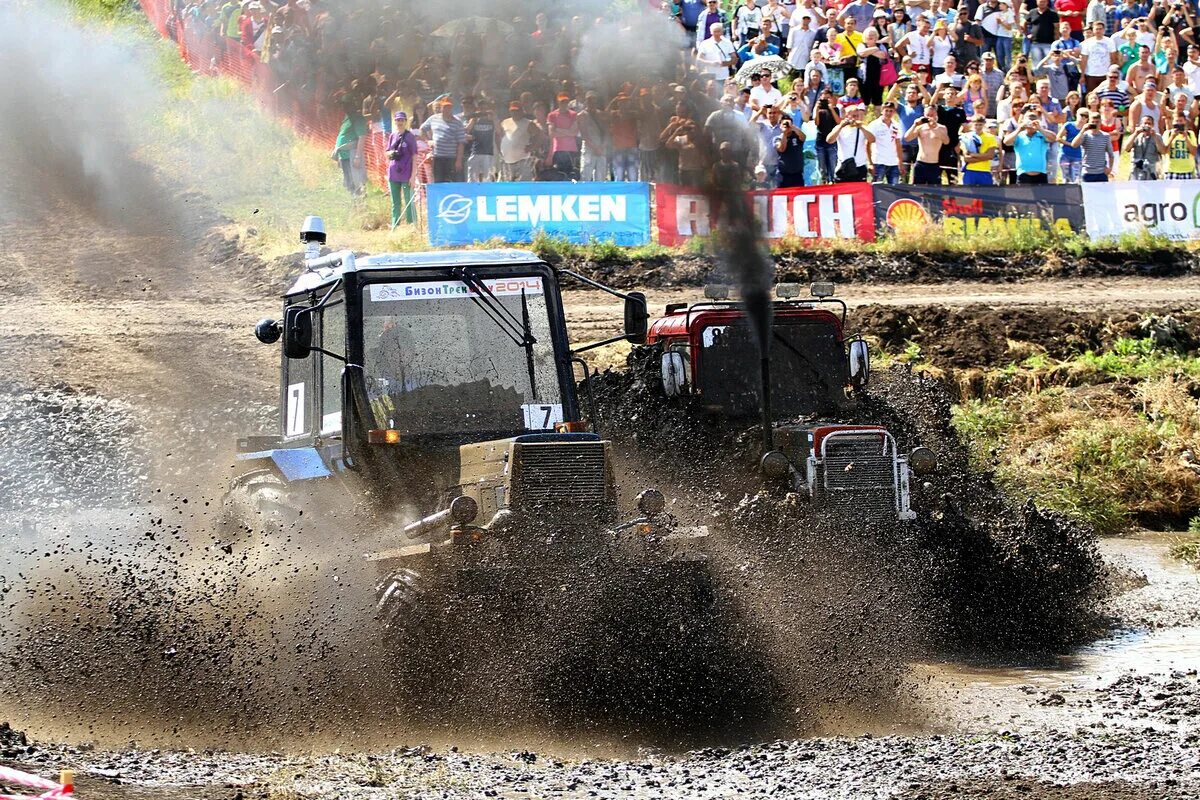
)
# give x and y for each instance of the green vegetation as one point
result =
(1106, 437)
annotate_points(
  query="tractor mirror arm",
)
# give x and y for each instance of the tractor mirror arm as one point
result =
(637, 316)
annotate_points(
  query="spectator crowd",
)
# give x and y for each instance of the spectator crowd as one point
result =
(751, 93)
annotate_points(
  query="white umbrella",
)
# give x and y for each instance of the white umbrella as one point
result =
(775, 65)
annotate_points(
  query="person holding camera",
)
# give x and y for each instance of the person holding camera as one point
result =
(886, 152)
(1097, 148)
(852, 138)
(1144, 148)
(401, 152)
(1031, 144)
(790, 146)
(1181, 151)
(930, 138)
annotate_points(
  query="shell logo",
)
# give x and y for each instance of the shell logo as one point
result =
(907, 216)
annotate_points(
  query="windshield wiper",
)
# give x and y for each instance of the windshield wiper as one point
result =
(521, 336)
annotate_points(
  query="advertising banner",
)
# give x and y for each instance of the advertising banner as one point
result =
(972, 210)
(1160, 208)
(465, 213)
(840, 211)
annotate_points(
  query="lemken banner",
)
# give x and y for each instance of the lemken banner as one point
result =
(1160, 208)
(465, 213)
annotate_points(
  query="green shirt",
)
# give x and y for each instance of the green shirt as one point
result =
(354, 127)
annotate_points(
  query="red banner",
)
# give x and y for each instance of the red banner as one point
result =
(840, 211)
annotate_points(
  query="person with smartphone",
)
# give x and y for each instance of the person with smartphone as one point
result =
(1097, 148)
(1144, 148)
(1031, 143)
(1181, 150)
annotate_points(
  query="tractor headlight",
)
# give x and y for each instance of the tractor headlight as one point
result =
(651, 502)
(775, 465)
(922, 461)
(463, 509)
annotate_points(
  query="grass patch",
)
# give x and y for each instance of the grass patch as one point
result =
(1111, 443)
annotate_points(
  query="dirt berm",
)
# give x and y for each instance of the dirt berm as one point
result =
(622, 271)
(976, 571)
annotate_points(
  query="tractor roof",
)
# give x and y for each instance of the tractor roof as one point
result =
(311, 280)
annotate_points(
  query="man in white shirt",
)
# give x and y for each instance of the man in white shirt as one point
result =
(1192, 67)
(762, 93)
(715, 54)
(1095, 57)
(885, 148)
(852, 139)
(801, 37)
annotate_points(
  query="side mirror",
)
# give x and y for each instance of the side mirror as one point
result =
(860, 364)
(297, 332)
(674, 376)
(637, 318)
(268, 331)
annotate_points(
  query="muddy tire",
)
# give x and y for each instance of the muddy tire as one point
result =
(256, 504)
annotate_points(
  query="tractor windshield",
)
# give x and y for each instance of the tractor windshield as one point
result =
(442, 357)
(808, 368)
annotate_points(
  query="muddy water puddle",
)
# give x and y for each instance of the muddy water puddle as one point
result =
(1115, 681)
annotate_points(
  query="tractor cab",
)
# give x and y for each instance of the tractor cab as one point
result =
(709, 351)
(434, 376)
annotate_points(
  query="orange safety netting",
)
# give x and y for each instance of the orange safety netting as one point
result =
(211, 54)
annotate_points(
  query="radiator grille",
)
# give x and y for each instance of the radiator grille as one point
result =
(556, 472)
(858, 463)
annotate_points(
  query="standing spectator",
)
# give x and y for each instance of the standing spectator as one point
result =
(1053, 67)
(899, 27)
(852, 140)
(593, 133)
(952, 118)
(827, 116)
(1098, 156)
(1144, 148)
(801, 37)
(747, 20)
(1040, 26)
(941, 44)
(650, 123)
(1071, 12)
(1007, 27)
(1071, 159)
(968, 35)
(481, 134)
(1191, 68)
(910, 109)
(916, 45)
(713, 15)
(875, 55)
(1181, 151)
(885, 150)
(1096, 55)
(1066, 44)
(993, 79)
(690, 12)
(989, 22)
(1032, 144)
(790, 146)
(1179, 85)
(975, 96)
(1113, 89)
(348, 148)
(715, 54)
(930, 137)
(623, 128)
(519, 137)
(769, 35)
(863, 11)
(1052, 117)
(848, 41)
(812, 171)
(563, 129)
(978, 148)
(1140, 71)
(401, 150)
(770, 128)
(762, 93)
(448, 137)
(950, 76)
(1147, 105)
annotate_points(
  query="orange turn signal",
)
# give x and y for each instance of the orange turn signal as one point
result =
(378, 436)
(571, 427)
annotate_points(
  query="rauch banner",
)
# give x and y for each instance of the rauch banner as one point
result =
(840, 211)
(465, 213)
(972, 210)
(1161, 208)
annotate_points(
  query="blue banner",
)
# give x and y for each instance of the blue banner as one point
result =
(465, 213)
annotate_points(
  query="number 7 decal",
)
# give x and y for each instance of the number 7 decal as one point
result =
(295, 410)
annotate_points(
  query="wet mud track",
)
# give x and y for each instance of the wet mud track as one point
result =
(138, 357)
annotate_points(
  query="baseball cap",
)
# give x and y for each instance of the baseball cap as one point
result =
(446, 103)
(989, 56)
(563, 96)
(399, 115)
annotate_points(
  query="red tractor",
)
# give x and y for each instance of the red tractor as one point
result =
(813, 375)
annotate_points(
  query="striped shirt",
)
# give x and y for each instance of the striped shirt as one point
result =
(1119, 96)
(1096, 147)
(446, 135)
